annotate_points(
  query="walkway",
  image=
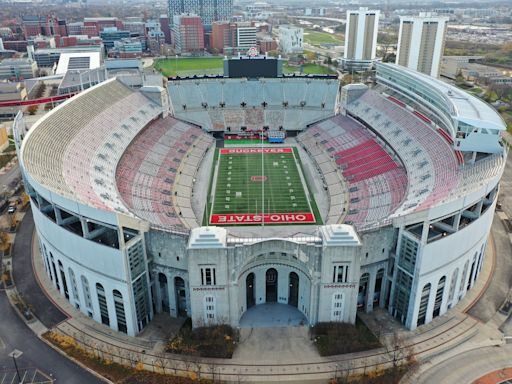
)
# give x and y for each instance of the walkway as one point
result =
(26, 283)
(272, 315)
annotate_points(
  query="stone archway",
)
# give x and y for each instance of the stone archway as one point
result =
(250, 290)
(271, 285)
(181, 296)
(293, 289)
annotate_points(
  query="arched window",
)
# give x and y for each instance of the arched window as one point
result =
(422, 312)
(379, 280)
(439, 296)
(453, 283)
(363, 291)
(74, 287)
(102, 302)
(463, 279)
(87, 292)
(63, 279)
(120, 315)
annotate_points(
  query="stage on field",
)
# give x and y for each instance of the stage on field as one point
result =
(259, 186)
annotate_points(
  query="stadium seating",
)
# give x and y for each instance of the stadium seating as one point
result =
(215, 104)
(157, 166)
(376, 182)
(428, 158)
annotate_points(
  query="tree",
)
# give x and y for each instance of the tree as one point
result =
(459, 78)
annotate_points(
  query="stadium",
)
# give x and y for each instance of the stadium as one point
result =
(212, 196)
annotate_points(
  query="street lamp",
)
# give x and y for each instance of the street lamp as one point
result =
(15, 355)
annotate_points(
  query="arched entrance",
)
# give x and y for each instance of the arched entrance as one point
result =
(271, 285)
(293, 289)
(249, 289)
(164, 292)
(181, 296)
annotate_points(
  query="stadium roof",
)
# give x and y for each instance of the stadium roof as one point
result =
(68, 153)
(78, 60)
(465, 107)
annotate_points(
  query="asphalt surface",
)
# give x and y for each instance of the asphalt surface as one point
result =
(24, 277)
(468, 367)
(9, 177)
(36, 354)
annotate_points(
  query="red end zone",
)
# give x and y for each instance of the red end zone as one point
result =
(257, 218)
(241, 151)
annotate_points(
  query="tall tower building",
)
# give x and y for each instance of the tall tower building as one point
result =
(421, 42)
(208, 10)
(360, 39)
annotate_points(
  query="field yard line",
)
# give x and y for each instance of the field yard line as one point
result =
(303, 180)
(214, 187)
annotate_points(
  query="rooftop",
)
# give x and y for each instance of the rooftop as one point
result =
(465, 107)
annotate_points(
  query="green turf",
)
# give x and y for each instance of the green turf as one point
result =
(190, 66)
(234, 175)
(319, 38)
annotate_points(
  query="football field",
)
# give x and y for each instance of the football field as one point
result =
(261, 185)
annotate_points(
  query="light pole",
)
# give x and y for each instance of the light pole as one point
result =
(15, 355)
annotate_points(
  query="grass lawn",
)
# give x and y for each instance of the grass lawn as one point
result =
(309, 69)
(190, 66)
(319, 38)
(246, 179)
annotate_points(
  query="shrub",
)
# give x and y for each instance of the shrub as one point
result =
(218, 341)
(337, 338)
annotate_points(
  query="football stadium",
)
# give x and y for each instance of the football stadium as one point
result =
(210, 196)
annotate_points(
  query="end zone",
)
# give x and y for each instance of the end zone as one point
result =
(258, 218)
(244, 151)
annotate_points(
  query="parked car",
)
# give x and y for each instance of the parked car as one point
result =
(11, 209)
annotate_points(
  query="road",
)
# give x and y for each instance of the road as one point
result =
(10, 176)
(468, 366)
(14, 334)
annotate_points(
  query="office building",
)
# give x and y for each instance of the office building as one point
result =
(188, 33)
(421, 42)
(208, 10)
(360, 39)
(245, 36)
(291, 39)
(17, 69)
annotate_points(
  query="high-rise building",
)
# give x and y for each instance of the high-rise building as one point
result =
(421, 42)
(208, 10)
(223, 35)
(245, 36)
(360, 39)
(188, 33)
(291, 39)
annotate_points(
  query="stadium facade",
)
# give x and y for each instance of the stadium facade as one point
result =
(406, 177)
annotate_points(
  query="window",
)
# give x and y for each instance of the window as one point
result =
(119, 307)
(337, 307)
(208, 276)
(209, 308)
(87, 292)
(102, 302)
(340, 273)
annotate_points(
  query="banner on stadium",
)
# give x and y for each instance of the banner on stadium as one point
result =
(257, 218)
